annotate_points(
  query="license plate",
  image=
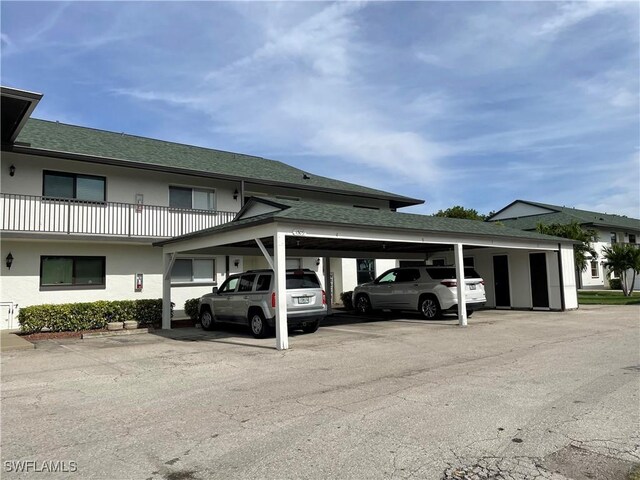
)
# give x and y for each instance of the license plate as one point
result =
(472, 287)
(303, 300)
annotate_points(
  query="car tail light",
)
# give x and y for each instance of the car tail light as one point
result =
(324, 298)
(481, 282)
(449, 283)
(273, 300)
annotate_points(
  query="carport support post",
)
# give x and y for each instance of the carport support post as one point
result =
(279, 271)
(168, 258)
(462, 297)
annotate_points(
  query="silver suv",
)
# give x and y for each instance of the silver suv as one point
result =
(432, 290)
(249, 298)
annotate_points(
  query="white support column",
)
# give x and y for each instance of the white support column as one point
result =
(279, 272)
(168, 258)
(462, 297)
(327, 283)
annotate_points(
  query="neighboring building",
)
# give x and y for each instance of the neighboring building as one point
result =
(526, 215)
(80, 209)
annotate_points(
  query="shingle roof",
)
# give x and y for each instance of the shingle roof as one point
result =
(565, 215)
(46, 135)
(322, 213)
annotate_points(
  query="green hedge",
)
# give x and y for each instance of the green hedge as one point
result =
(191, 308)
(87, 316)
(347, 300)
(615, 284)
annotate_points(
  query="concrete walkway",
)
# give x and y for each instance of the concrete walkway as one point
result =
(10, 341)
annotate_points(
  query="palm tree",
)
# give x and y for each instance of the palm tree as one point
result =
(623, 259)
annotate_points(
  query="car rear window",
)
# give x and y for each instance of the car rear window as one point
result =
(439, 273)
(302, 280)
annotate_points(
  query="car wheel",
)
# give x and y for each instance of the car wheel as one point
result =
(363, 305)
(206, 319)
(430, 308)
(258, 325)
(311, 327)
(469, 313)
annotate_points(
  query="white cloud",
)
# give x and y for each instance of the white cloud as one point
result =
(573, 13)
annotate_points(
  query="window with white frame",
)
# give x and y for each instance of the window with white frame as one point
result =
(192, 198)
(632, 238)
(614, 238)
(193, 270)
(366, 270)
(595, 270)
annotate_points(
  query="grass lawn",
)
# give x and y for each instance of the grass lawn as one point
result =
(586, 297)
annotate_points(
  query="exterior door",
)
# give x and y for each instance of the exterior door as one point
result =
(539, 285)
(6, 316)
(501, 281)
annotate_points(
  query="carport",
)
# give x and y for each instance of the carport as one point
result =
(277, 228)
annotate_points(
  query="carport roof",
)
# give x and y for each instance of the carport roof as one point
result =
(305, 212)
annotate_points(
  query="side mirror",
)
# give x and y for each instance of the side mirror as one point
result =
(214, 290)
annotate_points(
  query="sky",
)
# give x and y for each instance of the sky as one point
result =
(456, 103)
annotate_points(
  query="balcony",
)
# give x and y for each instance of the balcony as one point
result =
(26, 213)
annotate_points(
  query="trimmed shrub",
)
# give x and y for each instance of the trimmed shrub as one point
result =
(347, 300)
(191, 308)
(615, 284)
(88, 316)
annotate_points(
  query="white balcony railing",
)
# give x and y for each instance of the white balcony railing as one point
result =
(26, 213)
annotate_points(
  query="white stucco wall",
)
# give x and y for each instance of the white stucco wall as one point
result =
(519, 209)
(122, 183)
(21, 284)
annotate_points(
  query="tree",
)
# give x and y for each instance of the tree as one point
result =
(461, 212)
(573, 230)
(623, 259)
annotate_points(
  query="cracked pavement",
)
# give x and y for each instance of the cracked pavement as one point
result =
(516, 395)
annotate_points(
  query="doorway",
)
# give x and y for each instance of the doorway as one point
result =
(501, 281)
(539, 285)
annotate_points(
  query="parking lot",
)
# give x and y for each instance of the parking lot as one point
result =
(526, 394)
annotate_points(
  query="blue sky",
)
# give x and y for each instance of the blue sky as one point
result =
(457, 103)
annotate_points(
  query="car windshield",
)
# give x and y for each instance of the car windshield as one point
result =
(302, 280)
(449, 273)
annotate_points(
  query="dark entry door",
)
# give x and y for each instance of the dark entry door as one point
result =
(501, 280)
(539, 286)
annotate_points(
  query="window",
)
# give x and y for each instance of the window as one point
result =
(72, 271)
(632, 238)
(301, 279)
(449, 273)
(264, 283)
(230, 285)
(366, 270)
(188, 270)
(469, 262)
(246, 283)
(71, 185)
(595, 273)
(192, 198)
(614, 238)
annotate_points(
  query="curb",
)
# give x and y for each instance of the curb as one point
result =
(115, 333)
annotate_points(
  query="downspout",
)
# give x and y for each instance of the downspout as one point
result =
(561, 278)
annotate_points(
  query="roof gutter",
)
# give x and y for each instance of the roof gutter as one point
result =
(395, 201)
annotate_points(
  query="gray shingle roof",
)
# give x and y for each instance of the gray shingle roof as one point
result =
(322, 213)
(565, 215)
(46, 135)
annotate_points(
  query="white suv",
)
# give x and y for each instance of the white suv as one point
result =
(432, 290)
(249, 298)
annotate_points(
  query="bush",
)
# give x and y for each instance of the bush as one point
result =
(347, 300)
(615, 284)
(191, 308)
(88, 316)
